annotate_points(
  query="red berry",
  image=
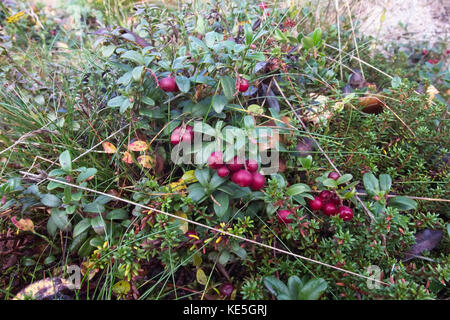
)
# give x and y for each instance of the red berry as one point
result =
(175, 137)
(223, 172)
(168, 84)
(252, 165)
(424, 52)
(235, 164)
(315, 204)
(329, 209)
(334, 198)
(182, 134)
(226, 290)
(258, 181)
(262, 5)
(242, 178)
(325, 195)
(333, 175)
(345, 213)
(282, 216)
(243, 85)
(215, 160)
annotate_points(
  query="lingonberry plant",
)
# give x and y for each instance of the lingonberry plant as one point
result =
(212, 128)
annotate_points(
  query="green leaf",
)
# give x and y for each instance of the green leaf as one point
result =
(312, 290)
(396, 82)
(50, 200)
(54, 185)
(203, 176)
(344, 179)
(307, 42)
(133, 56)
(81, 226)
(371, 183)
(219, 102)
(125, 105)
(201, 24)
(294, 286)
(248, 34)
(228, 86)
(65, 160)
(108, 50)
(317, 37)
(196, 192)
(116, 101)
(224, 257)
(238, 250)
(275, 286)
(89, 172)
(306, 162)
(216, 181)
(210, 38)
(249, 122)
(86, 248)
(385, 182)
(60, 219)
(330, 183)
(183, 83)
(117, 214)
(223, 199)
(137, 73)
(98, 224)
(94, 207)
(125, 79)
(148, 101)
(297, 188)
(402, 203)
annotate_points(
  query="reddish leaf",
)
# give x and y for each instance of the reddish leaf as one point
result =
(109, 147)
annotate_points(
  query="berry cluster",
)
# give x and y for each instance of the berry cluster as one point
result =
(182, 134)
(330, 205)
(243, 174)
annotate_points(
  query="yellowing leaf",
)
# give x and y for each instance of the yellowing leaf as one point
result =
(201, 277)
(109, 147)
(23, 224)
(197, 260)
(121, 288)
(145, 161)
(138, 145)
(431, 92)
(177, 186)
(16, 17)
(127, 157)
(184, 225)
(189, 177)
(88, 266)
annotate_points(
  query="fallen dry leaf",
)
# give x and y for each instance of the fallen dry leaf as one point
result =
(127, 157)
(145, 161)
(138, 145)
(426, 240)
(109, 147)
(23, 224)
